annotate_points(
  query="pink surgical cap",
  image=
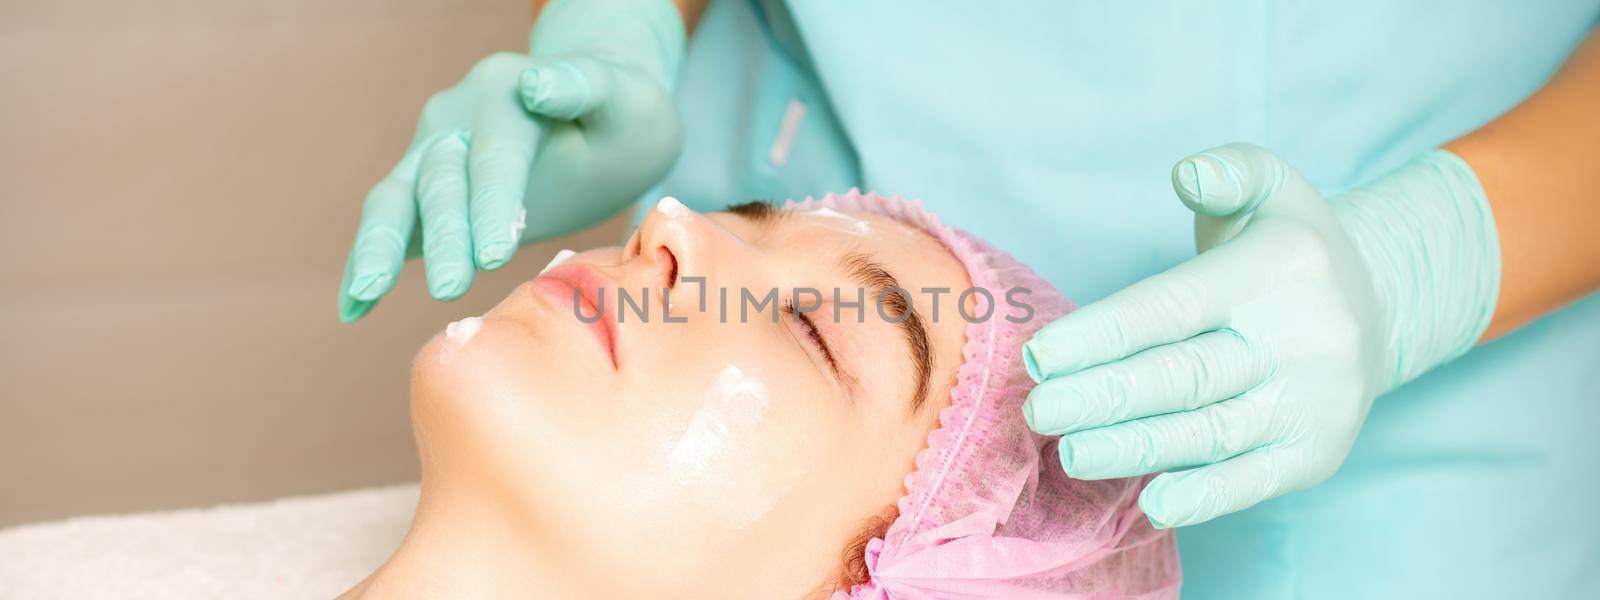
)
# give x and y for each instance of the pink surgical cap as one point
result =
(984, 514)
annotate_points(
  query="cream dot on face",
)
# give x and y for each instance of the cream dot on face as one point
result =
(842, 222)
(671, 207)
(457, 335)
(559, 258)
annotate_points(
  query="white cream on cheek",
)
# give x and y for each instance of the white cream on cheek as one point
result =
(456, 336)
(734, 404)
(715, 456)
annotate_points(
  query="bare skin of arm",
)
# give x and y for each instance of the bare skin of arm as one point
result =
(1540, 167)
(690, 9)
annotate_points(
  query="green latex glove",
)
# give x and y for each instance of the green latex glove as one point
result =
(526, 147)
(1253, 365)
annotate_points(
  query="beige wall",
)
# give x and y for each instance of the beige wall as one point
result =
(180, 180)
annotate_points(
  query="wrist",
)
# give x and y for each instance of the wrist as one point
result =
(1428, 239)
(644, 34)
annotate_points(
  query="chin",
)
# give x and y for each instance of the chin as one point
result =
(501, 400)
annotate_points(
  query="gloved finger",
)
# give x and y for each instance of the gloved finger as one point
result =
(1208, 434)
(442, 198)
(351, 309)
(1199, 495)
(503, 142)
(1227, 185)
(387, 218)
(566, 88)
(1177, 377)
(1161, 309)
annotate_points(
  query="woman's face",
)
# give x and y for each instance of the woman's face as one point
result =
(734, 443)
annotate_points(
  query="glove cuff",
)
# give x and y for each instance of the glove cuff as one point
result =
(1428, 238)
(645, 34)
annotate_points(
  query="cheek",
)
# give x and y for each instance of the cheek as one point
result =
(737, 440)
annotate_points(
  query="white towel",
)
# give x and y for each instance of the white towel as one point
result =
(307, 547)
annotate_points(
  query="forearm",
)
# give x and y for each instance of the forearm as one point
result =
(1540, 169)
(689, 9)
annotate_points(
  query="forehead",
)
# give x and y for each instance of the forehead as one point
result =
(915, 258)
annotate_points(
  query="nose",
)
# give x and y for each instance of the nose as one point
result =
(671, 243)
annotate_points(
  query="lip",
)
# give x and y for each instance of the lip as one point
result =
(558, 284)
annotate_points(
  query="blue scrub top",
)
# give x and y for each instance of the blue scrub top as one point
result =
(1050, 130)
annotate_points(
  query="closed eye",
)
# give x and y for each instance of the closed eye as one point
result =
(815, 339)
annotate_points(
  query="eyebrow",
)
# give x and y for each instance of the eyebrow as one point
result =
(880, 284)
(883, 286)
(760, 212)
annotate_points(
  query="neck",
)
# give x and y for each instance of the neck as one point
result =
(460, 547)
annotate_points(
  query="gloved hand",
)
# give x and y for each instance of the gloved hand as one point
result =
(557, 139)
(1256, 362)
